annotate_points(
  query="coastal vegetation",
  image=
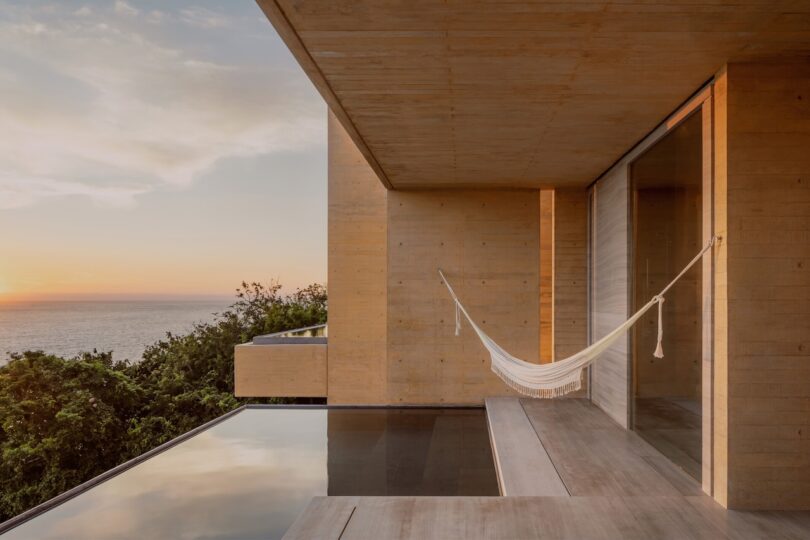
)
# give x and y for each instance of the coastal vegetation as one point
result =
(66, 420)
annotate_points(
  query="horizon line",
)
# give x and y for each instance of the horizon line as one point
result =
(7, 298)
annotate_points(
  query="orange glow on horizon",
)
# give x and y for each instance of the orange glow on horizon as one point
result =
(79, 271)
(83, 275)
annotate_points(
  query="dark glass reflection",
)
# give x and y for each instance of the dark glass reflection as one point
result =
(251, 475)
(410, 452)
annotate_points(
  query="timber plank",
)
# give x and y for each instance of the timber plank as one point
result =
(324, 518)
(559, 518)
(596, 457)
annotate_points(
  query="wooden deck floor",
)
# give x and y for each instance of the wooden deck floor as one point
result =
(583, 477)
(673, 427)
(594, 456)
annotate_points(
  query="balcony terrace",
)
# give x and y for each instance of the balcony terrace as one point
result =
(566, 471)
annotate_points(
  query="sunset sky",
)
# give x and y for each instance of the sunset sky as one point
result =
(155, 148)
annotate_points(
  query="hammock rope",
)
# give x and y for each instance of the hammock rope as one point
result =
(563, 376)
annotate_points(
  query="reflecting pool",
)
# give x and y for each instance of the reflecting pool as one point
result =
(252, 474)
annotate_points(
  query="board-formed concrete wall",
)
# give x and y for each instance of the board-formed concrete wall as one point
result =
(762, 286)
(357, 275)
(571, 274)
(610, 280)
(284, 370)
(487, 243)
(390, 319)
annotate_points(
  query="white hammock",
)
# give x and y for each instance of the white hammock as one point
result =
(563, 376)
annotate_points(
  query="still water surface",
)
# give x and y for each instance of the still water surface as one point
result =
(251, 475)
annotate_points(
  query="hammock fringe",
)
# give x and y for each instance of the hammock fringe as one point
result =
(541, 393)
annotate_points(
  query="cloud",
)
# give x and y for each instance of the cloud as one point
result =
(125, 9)
(156, 16)
(203, 18)
(97, 106)
(19, 192)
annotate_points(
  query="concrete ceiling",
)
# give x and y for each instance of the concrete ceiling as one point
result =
(470, 93)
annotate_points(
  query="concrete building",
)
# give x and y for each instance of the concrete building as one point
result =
(561, 162)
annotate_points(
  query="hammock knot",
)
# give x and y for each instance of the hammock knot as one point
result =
(659, 348)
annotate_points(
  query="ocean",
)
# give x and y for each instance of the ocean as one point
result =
(124, 327)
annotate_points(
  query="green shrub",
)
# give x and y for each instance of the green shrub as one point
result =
(66, 420)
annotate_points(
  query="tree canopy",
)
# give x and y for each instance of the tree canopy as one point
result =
(66, 420)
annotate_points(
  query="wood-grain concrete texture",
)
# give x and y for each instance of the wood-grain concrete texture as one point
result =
(620, 488)
(297, 370)
(762, 285)
(391, 335)
(357, 284)
(610, 275)
(719, 292)
(571, 276)
(482, 93)
(487, 243)
(570, 271)
(547, 267)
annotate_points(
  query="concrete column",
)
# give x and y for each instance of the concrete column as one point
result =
(762, 286)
